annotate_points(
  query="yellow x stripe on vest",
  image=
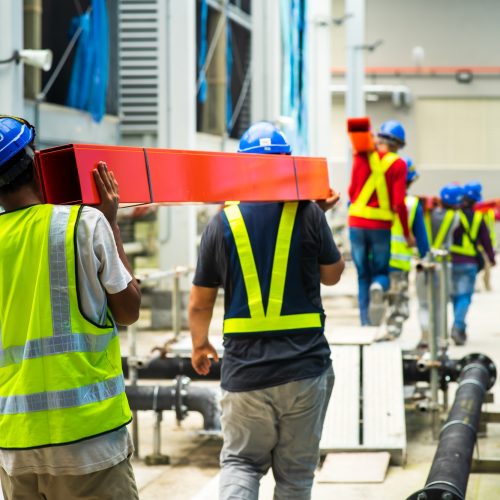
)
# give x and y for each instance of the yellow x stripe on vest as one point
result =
(376, 182)
(467, 247)
(271, 319)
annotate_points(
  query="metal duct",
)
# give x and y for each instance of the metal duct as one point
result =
(181, 398)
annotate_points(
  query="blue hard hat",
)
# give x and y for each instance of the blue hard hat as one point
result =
(264, 137)
(393, 131)
(473, 190)
(411, 170)
(452, 194)
(15, 135)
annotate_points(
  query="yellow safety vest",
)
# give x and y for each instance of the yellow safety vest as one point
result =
(376, 182)
(489, 219)
(467, 246)
(401, 253)
(60, 374)
(271, 319)
(437, 242)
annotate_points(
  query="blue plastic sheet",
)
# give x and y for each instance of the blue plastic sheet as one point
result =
(229, 72)
(89, 76)
(202, 55)
(294, 71)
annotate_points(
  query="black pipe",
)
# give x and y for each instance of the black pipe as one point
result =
(415, 370)
(451, 466)
(180, 397)
(169, 368)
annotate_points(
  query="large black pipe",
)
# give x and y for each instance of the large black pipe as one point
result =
(180, 397)
(158, 368)
(169, 368)
(451, 466)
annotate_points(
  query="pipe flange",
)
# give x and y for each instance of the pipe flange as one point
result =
(484, 361)
(457, 422)
(181, 409)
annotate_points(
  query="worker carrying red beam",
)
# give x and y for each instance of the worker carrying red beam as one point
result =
(276, 378)
(377, 193)
(64, 285)
(402, 255)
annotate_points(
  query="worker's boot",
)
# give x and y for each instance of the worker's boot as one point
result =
(376, 308)
(395, 326)
(458, 335)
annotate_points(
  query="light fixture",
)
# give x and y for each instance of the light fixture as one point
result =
(464, 76)
(37, 58)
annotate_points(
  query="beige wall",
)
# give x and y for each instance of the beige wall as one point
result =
(453, 129)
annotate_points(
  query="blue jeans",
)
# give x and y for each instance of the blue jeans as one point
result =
(278, 427)
(463, 277)
(371, 252)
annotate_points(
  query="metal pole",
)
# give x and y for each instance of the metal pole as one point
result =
(157, 458)
(133, 375)
(433, 344)
(176, 306)
(444, 301)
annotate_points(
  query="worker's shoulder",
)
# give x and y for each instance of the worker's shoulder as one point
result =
(399, 163)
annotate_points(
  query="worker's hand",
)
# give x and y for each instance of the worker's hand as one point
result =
(108, 189)
(200, 358)
(411, 241)
(329, 202)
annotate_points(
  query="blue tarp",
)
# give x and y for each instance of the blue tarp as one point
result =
(294, 71)
(202, 56)
(229, 72)
(89, 76)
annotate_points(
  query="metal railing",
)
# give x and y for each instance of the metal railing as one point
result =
(149, 279)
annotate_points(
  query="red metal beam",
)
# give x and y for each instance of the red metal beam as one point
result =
(148, 175)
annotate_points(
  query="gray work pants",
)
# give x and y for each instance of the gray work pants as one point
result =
(278, 427)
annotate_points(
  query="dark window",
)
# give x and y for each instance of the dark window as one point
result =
(56, 25)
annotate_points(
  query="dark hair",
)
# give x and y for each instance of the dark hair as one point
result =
(23, 162)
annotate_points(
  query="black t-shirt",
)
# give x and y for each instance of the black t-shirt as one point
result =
(257, 361)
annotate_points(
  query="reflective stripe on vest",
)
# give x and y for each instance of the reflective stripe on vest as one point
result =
(401, 253)
(270, 320)
(489, 219)
(467, 246)
(52, 400)
(376, 183)
(60, 374)
(443, 231)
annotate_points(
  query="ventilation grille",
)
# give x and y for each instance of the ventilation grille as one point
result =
(138, 70)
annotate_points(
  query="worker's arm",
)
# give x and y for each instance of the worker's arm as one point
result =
(420, 232)
(331, 264)
(398, 194)
(201, 306)
(330, 273)
(330, 202)
(484, 240)
(123, 305)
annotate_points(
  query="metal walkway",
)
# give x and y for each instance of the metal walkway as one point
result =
(366, 411)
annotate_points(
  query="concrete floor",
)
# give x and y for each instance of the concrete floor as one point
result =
(194, 458)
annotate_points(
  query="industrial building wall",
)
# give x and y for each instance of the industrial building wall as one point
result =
(451, 127)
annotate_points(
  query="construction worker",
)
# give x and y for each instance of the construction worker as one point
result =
(471, 233)
(64, 284)
(377, 193)
(401, 256)
(475, 189)
(440, 223)
(276, 378)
